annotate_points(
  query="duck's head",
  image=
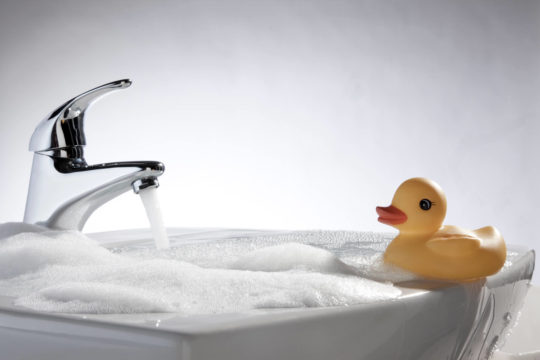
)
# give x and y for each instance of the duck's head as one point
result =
(419, 205)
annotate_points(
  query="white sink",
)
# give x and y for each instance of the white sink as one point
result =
(428, 321)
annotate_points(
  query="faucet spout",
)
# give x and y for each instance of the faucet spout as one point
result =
(64, 190)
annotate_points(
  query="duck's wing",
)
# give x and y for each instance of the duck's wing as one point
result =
(453, 244)
(490, 236)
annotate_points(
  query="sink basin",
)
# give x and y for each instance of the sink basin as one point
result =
(429, 320)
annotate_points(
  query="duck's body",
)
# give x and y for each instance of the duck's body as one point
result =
(451, 253)
(428, 249)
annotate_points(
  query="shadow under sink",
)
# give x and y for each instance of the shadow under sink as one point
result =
(428, 321)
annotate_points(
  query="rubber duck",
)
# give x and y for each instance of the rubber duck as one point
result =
(427, 248)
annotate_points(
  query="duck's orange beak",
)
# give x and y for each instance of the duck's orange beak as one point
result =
(391, 215)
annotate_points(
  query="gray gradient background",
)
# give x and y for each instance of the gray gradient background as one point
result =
(287, 114)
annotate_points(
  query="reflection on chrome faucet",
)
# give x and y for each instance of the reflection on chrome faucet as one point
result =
(64, 190)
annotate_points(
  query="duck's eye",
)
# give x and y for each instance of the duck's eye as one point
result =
(425, 204)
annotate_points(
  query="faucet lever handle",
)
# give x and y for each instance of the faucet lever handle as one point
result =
(64, 127)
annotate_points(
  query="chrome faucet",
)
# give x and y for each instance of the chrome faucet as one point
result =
(64, 190)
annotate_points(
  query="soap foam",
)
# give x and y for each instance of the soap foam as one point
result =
(293, 256)
(61, 271)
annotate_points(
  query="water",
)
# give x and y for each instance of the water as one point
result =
(153, 212)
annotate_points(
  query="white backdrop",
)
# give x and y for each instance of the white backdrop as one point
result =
(287, 114)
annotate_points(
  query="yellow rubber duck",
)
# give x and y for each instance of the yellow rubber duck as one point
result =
(425, 247)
